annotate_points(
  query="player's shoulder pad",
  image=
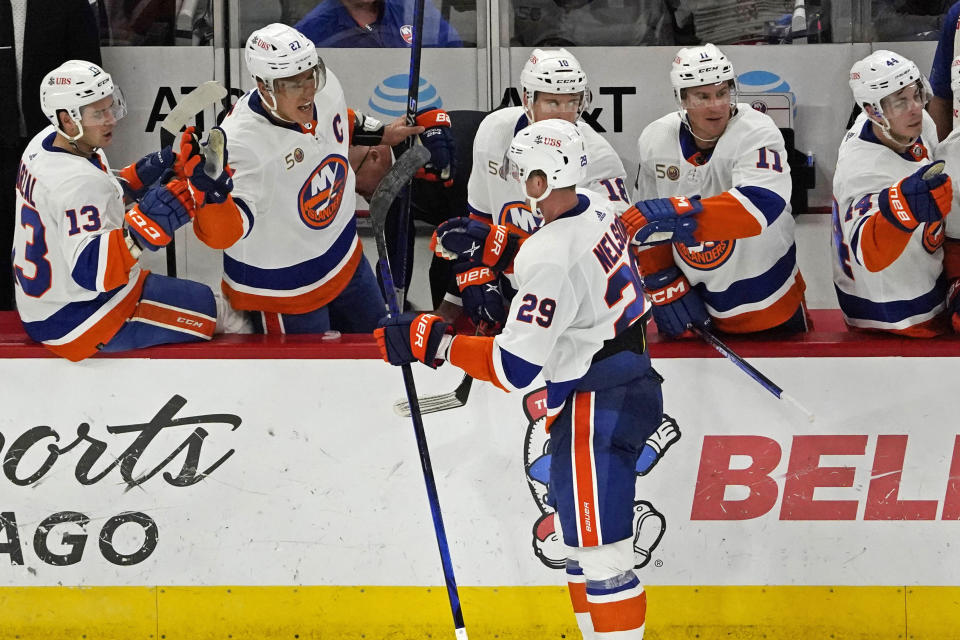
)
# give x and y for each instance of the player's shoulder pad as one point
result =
(496, 131)
(659, 132)
(757, 129)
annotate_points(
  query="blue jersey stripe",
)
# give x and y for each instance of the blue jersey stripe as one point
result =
(893, 311)
(85, 270)
(755, 289)
(245, 208)
(295, 276)
(770, 204)
(477, 212)
(519, 372)
(67, 318)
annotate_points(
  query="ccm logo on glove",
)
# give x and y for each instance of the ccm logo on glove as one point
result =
(671, 292)
(146, 228)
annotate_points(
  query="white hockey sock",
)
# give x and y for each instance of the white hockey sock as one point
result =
(230, 320)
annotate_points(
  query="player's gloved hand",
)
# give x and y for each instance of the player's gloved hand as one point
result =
(923, 196)
(953, 305)
(409, 337)
(676, 305)
(665, 435)
(663, 220)
(188, 148)
(481, 296)
(442, 165)
(208, 170)
(161, 211)
(476, 242)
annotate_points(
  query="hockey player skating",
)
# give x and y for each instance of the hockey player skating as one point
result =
(79, 285)
(888, 230)
(578, 318)
(714, 182)
(553, 85)
(299, 264)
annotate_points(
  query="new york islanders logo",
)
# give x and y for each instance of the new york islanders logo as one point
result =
(708, 255)
(321, 195)
(519, 217)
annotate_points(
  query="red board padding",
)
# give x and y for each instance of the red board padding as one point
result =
(829, 339)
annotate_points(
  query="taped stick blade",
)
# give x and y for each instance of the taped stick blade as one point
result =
(207, 94)
(400, 174)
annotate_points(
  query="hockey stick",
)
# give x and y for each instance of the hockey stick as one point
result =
(413, 97)
(432, 404)
(749, 369)
(207, 94)
(391, 185)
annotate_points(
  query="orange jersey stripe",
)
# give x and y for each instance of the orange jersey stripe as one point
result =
(776, 314)
(176, 319)
(935, 326)
(588, 519)
(129, 174)
(881, 243)
(725, 218)
(219, 225)
(119, 261)
(101, 333)
(351, 122)
(474, 354)
(303, 303)
(578, 596)
(654, 259)
(622, 615)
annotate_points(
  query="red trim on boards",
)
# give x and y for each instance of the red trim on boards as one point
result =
(828, 340)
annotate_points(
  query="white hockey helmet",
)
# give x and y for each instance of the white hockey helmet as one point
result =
(553, 146)
(278, 51)
(553, 71)
(880, 74)
(73, 85)
(698, 67)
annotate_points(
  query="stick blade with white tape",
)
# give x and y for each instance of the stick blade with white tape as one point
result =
(442, 402)
(935, 169)
(207, 94)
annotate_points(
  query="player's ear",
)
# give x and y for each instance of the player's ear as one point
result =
(66, 122)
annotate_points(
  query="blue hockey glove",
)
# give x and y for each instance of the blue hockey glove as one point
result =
(480, 293)
(924, 196)
(161, 211)
(663, 220)
(476, 242)
(409, 337)
(136, 178)
(676, 305)
(442, 166)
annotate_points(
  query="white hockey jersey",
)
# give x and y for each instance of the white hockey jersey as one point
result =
(495, 199)
(745, 270)
(948, 150)
(885, 278)
(300, 248)
(577, 287)
(76, 281)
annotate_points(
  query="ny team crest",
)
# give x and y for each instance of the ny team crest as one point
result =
(322, 193)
